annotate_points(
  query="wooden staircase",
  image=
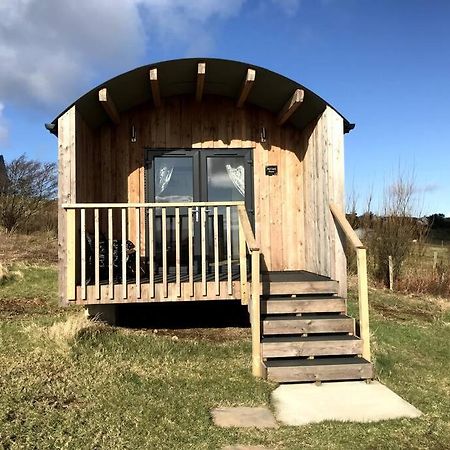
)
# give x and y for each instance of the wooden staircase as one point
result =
(306, 334)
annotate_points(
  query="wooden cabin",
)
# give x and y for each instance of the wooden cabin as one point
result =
(208, 179)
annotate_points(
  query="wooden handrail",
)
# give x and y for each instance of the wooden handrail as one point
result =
(247, 237)
(363, 290)
(339, 216)
(247, 229)
(147, 205)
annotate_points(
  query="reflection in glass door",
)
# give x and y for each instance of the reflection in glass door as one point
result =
(173, 180)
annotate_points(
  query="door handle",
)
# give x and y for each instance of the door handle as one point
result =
(195, 212)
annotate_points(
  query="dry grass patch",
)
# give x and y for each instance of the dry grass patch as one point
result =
(6, 274)
(63, 335)
(39, 247)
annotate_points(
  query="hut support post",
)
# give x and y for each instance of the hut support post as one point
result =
(363, 301)
(255, 317)
(71, 255)
(67, 194)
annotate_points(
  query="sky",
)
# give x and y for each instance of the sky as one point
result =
(384, 64)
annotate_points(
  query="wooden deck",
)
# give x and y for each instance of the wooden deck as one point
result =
(288, 282)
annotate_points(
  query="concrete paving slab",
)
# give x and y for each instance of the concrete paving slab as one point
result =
(352, 401)
(243, 417)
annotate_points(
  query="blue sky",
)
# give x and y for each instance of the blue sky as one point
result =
(385, 65)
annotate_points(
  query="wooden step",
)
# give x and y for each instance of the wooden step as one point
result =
(311, 323)
(323, 345)
(300, 287)
(297, 282)
(320, 369)
(302, 304)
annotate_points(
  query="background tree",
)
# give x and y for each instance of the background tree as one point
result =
(397, 230)
(26, 190)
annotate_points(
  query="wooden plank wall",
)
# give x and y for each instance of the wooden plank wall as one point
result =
(291, 212)
(323, 182)
(67, 190)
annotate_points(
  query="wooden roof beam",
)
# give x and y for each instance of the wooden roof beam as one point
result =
(291, 106)
(201, 74)
(246, 87)
(155, 87)
(107, 102)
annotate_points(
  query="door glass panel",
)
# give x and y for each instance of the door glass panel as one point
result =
(174, 182)
(173, 179)
(225, 182)
(226, 178)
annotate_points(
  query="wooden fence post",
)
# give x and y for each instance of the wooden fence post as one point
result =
(435, 260)
(391, 273)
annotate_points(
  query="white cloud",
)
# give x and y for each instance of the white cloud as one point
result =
(4, 133)
(51, 50)
(431, 187)
(186, 22)
(289, 7)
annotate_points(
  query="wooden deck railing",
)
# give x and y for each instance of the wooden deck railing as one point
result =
(136, 222)
(247, 238)
(363, 296)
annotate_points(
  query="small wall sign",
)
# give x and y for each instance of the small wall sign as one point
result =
(271, 170)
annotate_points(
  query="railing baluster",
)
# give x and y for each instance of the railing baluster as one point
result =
(216, 250)
(110, 253)
(243, 263)
(191, 252)
(203, 251)
(164, 250)
(124, 252)
(177, 251)
(229, 275)
(151, 252)
(138, 252)
(83, 252)
(97, 253)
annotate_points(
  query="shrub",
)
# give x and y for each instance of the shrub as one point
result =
(393, 232)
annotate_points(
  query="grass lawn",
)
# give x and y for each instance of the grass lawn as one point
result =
(65, 383)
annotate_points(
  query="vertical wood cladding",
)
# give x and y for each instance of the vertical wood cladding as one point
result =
(293, 223)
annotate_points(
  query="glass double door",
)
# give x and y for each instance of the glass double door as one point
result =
(176, 176)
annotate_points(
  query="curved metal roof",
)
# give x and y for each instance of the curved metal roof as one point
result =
(223, 77)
